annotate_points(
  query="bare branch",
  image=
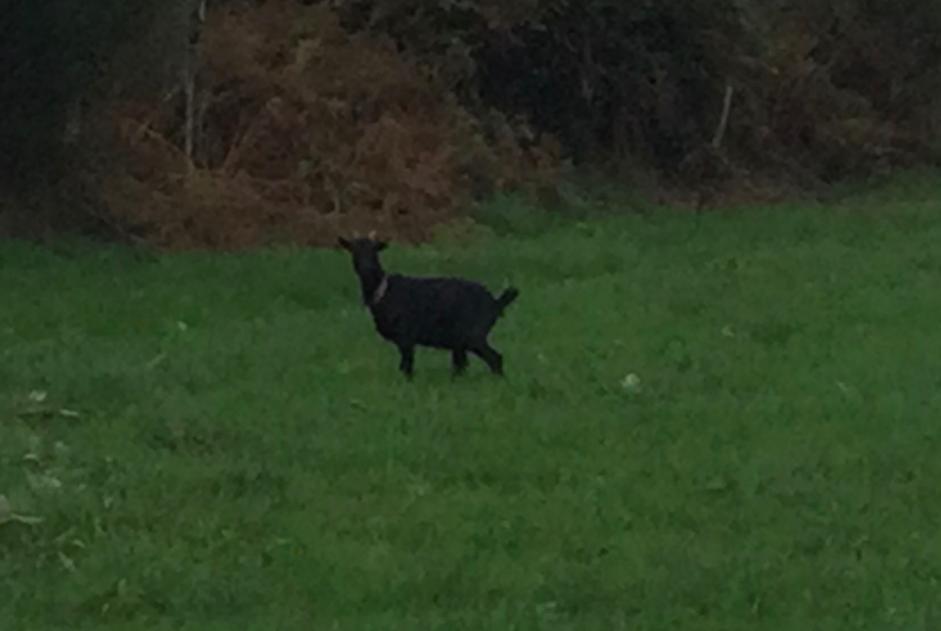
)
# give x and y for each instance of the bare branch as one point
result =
(724, 120)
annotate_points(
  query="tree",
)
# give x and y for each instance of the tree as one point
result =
(59, 53)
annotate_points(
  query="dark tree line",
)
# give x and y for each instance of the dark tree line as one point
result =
(810, 90)
(832, 85)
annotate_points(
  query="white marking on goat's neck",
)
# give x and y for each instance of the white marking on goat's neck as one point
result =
(380, 292)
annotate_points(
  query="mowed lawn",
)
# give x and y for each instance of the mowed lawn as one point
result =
(222, 441)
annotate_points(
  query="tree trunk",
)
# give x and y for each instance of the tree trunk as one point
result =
(197, 17)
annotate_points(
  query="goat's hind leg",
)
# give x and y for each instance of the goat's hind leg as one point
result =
(491, 357)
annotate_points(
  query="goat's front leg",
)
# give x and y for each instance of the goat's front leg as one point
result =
(492, 358)
(458, 360)
(407, 361)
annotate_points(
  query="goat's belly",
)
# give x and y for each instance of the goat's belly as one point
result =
(403, 329)
(439, 339)
(444, 345)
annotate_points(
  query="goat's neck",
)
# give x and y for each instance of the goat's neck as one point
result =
(369, 283)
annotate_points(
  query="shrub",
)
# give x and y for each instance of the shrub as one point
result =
(304, 130)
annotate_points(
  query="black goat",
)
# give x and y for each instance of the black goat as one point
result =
(446, 313)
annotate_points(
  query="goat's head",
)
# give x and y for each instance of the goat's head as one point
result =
(365, 253)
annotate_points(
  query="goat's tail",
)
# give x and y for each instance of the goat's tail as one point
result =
(508, 296)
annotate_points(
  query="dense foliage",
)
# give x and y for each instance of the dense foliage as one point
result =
(312, 115)
(843, 84)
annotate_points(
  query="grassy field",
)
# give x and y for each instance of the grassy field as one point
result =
(223, 442)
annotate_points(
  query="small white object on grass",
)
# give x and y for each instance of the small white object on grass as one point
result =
(43, 482)
(8, 516)
(631, 382)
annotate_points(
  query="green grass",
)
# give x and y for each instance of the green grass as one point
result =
(223, 442)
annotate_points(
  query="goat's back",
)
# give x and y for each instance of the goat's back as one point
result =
(442, 312)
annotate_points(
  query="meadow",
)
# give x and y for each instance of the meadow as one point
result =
(709, 422)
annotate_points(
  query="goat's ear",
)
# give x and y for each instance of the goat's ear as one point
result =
(380, 246)
(343, 243)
